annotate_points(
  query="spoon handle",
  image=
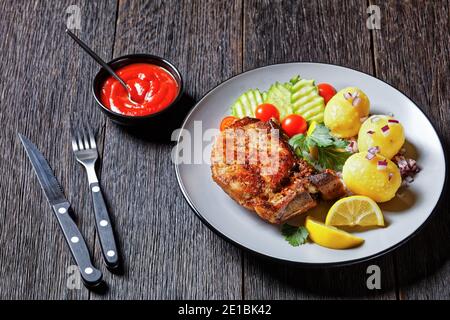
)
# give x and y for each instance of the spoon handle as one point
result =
(97, 58)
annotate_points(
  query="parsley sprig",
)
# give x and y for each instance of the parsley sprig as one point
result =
(294, 235)
(329, 148)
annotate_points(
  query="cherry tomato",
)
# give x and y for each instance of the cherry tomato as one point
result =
(294, 124)
(266, 111)
(327, 91)
(226, 122)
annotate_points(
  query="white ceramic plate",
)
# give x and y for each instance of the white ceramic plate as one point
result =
(404, 215)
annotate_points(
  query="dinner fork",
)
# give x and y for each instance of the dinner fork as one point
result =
(85, 150)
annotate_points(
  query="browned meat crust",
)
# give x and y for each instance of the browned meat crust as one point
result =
(328, 184)
(254, 164)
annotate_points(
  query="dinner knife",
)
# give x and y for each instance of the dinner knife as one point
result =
(90, 275)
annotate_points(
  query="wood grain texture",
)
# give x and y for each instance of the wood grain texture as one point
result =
(168, 252)
(412, 53)
(45, 85)
(279, 31)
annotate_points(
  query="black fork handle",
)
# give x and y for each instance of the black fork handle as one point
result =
(104, 227)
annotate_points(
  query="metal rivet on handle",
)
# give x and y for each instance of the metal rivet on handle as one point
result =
(74, 239)
(62, 210)
(110, 253)
(95, 189)
(88, 270)
(103, 223)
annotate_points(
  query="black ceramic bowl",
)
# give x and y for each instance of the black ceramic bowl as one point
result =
(152, 120)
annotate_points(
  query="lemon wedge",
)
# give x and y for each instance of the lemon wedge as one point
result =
(330, 237)
(355, 211)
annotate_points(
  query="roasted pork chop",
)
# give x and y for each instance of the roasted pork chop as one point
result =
(253, 163)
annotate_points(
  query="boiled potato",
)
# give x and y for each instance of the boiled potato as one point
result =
(344, 111)
(384, 132)
(342, 119)
(362, 105)
(371, 178)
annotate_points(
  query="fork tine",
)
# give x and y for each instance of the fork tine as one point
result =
(74, 143)
(91, 137)
(85, 138)
(73, 139)
(80, 141)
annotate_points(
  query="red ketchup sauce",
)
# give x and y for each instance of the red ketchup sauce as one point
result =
(152, 88)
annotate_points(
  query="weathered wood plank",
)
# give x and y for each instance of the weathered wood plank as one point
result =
(168, 252)
(412, 53)
(45, 84)
(281, 31)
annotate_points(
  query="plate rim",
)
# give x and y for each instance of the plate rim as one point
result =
(298, 263)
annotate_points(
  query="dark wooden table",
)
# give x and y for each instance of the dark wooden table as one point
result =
(169, 254)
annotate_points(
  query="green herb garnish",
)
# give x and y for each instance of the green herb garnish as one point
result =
(328, 154)
(294, 235)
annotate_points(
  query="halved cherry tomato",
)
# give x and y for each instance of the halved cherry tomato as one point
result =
(266, 111)
(327, 91)
(294, 124)
(226, 122)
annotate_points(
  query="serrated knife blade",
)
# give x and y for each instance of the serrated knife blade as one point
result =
(47, 179)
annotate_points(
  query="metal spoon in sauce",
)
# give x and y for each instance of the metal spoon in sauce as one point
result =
(99, 61)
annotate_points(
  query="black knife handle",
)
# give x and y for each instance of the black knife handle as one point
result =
(104, 227)
(91, 276)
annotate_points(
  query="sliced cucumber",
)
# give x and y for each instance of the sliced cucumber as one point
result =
(238, 110)
(264, 95)
(298, 96)
(258, 98)
(318, 118)
(306, 100)
(280, 96)
(246, 104)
